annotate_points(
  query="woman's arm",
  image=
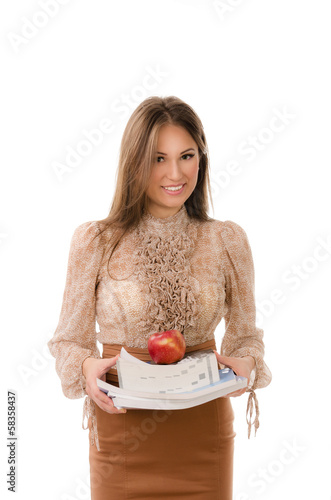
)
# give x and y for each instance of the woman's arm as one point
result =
(242, 337)
(75, 337)
(243, 340)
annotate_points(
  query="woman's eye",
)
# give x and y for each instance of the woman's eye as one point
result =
(161, 158)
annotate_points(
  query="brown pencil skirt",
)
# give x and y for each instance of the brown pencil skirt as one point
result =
(163, 454)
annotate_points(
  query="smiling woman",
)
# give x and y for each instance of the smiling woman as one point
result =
(174, 173)
(172, 268)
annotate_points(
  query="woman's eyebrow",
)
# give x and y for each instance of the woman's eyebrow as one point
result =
(165, 154)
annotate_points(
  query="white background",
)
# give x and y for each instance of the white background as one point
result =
(239, 65)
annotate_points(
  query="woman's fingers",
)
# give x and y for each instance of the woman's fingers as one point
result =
(225, 360)
(107, 363)
(98, 369)
(103, 401)
(106, 403)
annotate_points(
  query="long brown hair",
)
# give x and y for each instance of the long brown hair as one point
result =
(137, 150)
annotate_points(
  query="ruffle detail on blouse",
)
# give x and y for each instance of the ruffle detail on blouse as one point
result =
(89, 411)
(162, 268)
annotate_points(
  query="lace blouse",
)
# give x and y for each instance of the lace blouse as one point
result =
(172, 273)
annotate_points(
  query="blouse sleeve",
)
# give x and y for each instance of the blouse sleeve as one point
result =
(75, 337)
(242, 337)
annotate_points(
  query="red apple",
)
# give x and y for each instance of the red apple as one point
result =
(166, 347)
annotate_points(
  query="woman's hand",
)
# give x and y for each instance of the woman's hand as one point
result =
(242, 367)
(97, 368)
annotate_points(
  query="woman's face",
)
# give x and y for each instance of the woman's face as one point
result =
(176, 164)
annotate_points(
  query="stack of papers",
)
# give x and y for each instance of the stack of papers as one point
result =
(192, 381)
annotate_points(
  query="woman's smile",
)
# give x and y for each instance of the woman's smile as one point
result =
(174, 190)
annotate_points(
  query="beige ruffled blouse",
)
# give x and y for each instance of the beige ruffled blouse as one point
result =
(173, 273)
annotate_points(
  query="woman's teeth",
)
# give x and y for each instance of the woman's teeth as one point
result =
(174, 188)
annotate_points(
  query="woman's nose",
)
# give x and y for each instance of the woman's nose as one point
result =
(175, 170)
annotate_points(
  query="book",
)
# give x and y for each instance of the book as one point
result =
(195, 370)
(166, 387)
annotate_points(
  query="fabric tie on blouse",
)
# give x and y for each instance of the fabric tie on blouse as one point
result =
(89, 412)
(252, 398)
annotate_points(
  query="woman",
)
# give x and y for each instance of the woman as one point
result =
(159, 262)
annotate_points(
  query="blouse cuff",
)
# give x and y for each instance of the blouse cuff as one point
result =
(74, 384)
(260, 371)
(92, 354)
(82, 378)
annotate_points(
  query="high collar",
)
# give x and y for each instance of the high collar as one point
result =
(165, 226)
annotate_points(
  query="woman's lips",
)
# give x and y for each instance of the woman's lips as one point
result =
(179, 191)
